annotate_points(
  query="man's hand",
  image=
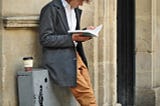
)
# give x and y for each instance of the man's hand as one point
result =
(91, 27)
(80, 37)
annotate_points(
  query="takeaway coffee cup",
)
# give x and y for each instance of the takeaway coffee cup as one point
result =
(28, 63)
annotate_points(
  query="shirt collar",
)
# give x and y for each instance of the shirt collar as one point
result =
(65, 3)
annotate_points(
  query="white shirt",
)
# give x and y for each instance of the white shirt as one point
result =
(71, 15)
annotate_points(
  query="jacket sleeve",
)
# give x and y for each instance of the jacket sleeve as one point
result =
(48, 35)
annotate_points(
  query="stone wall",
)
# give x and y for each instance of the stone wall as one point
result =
(19, 38)
(147, 53)
(101, 51)
(0, 52)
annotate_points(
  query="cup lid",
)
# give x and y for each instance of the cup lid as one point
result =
(27, 58)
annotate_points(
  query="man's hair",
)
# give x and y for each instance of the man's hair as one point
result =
(87, 1)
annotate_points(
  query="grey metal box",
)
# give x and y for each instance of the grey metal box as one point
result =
(36, 89)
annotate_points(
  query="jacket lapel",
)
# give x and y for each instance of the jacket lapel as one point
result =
(61, 12)
(64, 18)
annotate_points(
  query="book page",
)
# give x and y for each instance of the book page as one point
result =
(88, 32)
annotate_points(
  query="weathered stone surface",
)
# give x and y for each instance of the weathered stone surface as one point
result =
(146, 97)
(147, 53)
(19, 38)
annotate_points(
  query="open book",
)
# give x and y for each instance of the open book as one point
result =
(88, 32)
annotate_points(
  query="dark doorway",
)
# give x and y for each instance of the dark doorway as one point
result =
(126, 52)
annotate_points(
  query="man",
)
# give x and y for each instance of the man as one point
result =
(63, 53)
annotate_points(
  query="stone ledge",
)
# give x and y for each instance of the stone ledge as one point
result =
(20, 21)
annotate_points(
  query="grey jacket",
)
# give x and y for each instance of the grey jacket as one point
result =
(59, 51)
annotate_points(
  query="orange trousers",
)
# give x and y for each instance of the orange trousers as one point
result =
(83, 92)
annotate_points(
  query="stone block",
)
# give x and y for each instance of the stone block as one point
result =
(157, 92)
(144, 80)
(144, 10)
(145, 97)
(143, 62)
(148, 97)
(143, 34)
(156, 78)
(22, 7)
